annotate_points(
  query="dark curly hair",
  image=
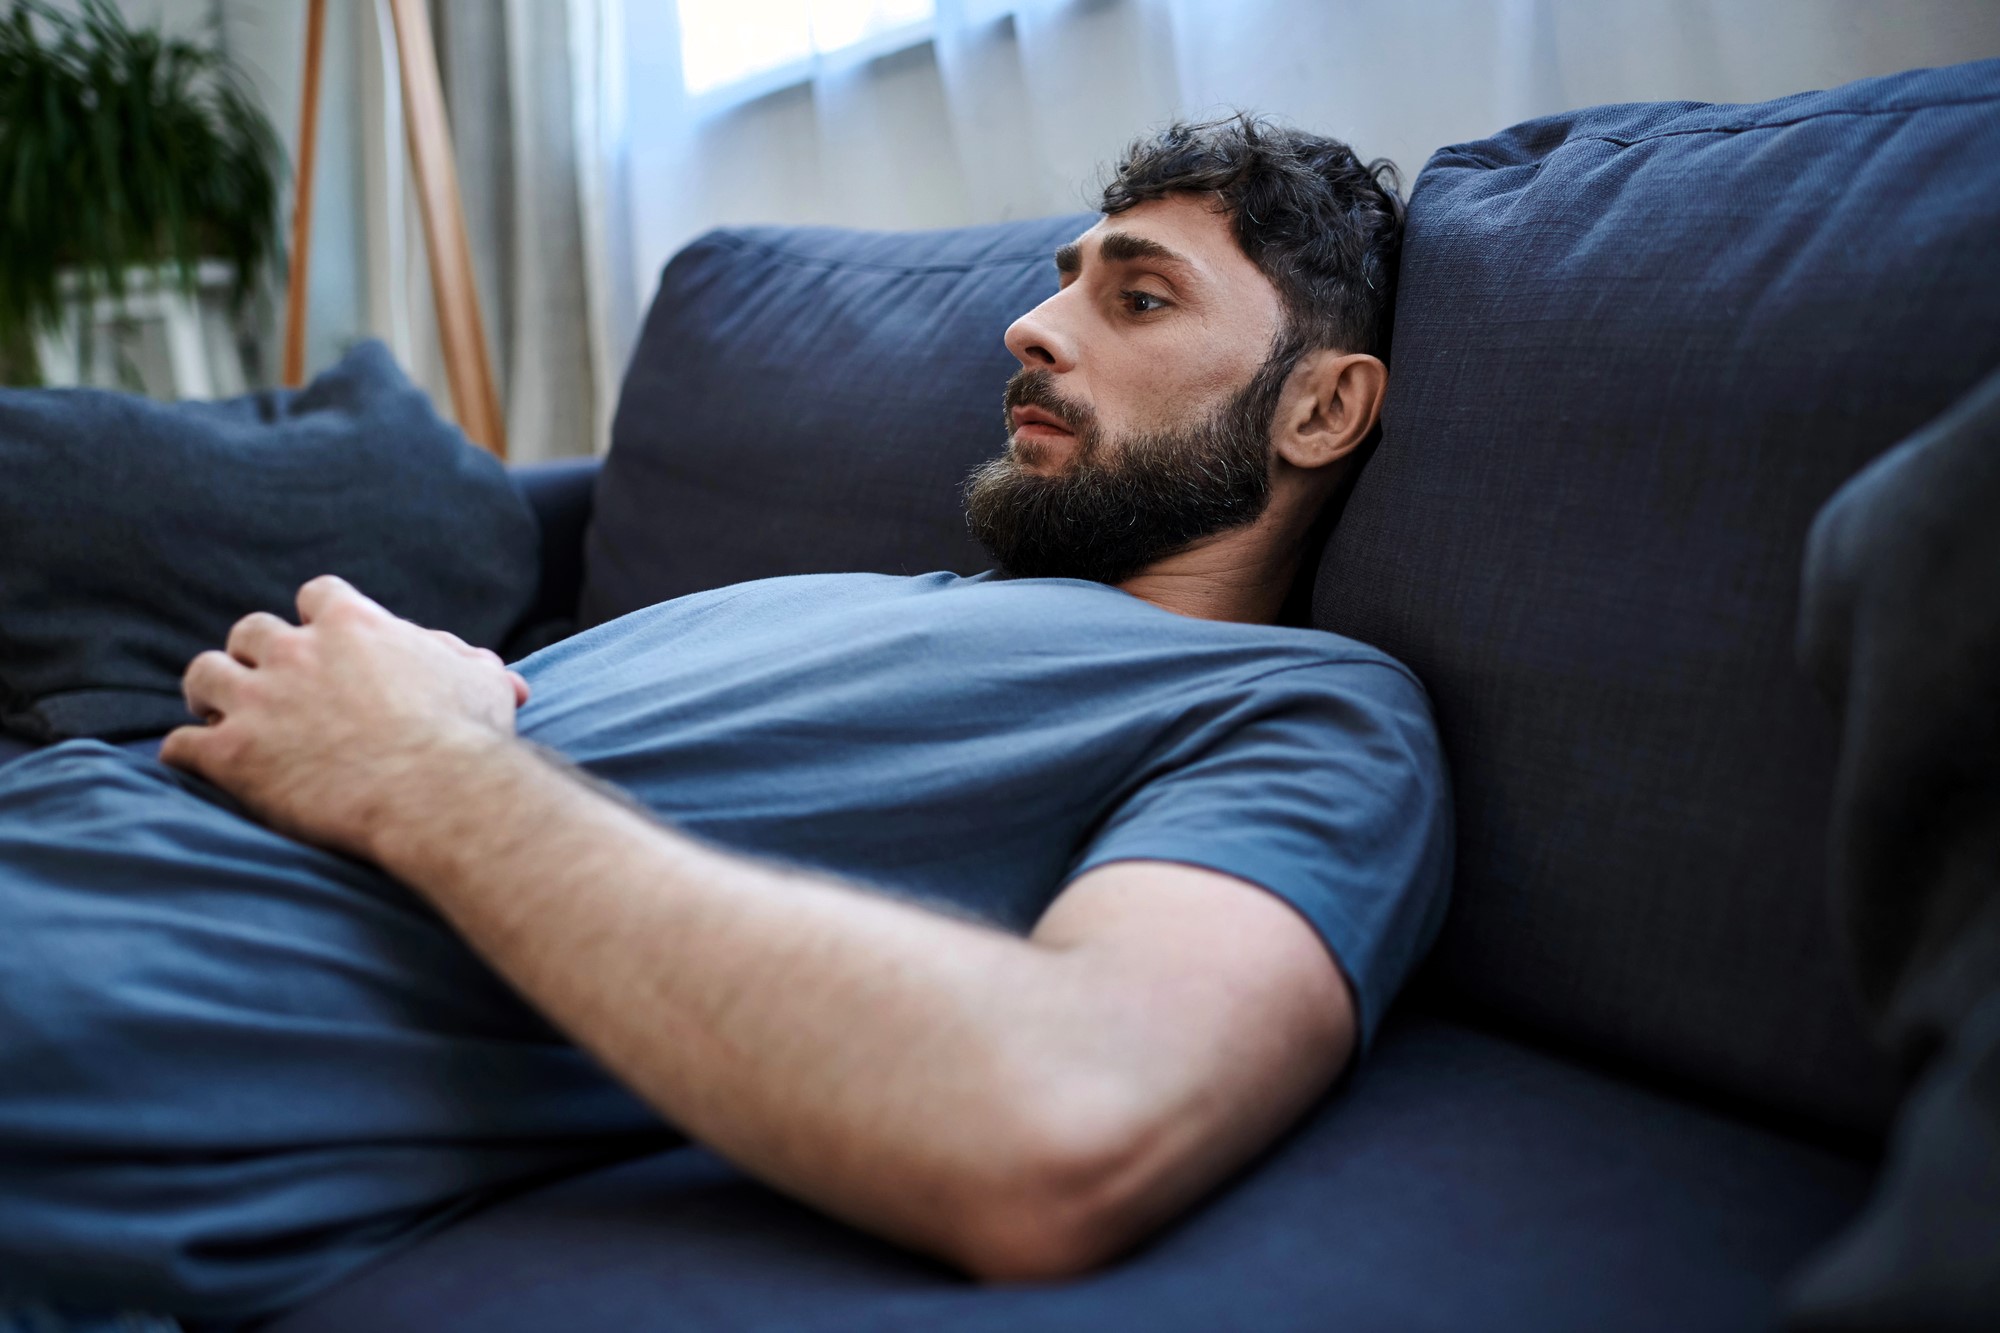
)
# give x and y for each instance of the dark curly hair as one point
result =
(1324, 227)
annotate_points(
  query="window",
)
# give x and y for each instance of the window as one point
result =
(740, 48)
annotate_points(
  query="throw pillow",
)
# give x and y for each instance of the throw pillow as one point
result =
(134, 533)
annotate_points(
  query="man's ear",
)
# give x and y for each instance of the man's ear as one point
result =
(1330, 403)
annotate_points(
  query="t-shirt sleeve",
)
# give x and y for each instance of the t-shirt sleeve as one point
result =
(1326, 786)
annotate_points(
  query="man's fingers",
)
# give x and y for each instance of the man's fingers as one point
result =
(186, 748)
(211, 684)
(319, 596)
(250, 638)
(488, 656)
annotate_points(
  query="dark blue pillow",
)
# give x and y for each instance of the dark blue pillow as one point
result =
(1636, 348)
(134, 533)
(809, 400)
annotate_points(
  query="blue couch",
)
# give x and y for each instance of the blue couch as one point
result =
(1636, 349)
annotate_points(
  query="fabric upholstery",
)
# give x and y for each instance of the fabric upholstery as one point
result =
(237, 1067)
(134, 533)
(1900, 627)
(808, 400)
(1463, 1182)
(1637, 347)
(559, 495)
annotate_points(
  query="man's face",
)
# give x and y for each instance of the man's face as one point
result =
(1138, 423)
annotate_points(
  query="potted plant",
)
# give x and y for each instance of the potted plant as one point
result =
(125, 156)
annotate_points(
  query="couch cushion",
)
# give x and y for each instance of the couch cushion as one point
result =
(133, 534)
(809, 400)
(1462, 1182)
(559, 495)
(1637, 348)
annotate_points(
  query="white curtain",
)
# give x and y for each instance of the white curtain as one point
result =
(530, 92)
(585, 162)
(1012, 109)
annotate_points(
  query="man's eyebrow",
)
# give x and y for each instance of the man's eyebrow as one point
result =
(1117, 247)
(1120, 247)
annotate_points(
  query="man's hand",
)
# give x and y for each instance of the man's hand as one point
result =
(317, 726)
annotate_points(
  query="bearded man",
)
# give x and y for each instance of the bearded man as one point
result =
(1002, 916)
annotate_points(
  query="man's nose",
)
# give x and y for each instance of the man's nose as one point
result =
(1038, 341)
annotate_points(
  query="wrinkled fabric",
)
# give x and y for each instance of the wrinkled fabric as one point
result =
(1900, 627)
(234, 1068)
(133, 534)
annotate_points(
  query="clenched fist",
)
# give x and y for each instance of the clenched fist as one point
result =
(319, 727)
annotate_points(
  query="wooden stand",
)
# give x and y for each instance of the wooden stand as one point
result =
(462, 336)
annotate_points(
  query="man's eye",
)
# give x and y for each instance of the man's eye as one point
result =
(1142, 303)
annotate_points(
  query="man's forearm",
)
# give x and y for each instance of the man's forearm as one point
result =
(890, 1064)
(1022, 1108)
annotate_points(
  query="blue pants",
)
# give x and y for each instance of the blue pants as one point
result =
(234, 1068)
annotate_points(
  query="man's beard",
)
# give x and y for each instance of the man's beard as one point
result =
(1110, 512)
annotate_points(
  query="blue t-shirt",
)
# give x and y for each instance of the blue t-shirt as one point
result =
(983, 741)
(235, 1067)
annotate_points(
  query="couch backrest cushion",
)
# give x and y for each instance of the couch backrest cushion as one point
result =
(809, 400)
(1636, 348)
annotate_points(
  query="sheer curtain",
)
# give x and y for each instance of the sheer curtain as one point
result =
(586, 161)
(1011, 109)
(530, 92)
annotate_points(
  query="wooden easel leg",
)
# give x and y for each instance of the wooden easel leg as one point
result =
(460, 332)
(294, 368)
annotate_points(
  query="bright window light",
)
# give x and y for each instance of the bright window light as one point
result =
(726, 42)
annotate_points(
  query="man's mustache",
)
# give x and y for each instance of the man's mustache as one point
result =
(1037, 388)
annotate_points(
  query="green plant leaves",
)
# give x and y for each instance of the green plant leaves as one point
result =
(121, 148)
